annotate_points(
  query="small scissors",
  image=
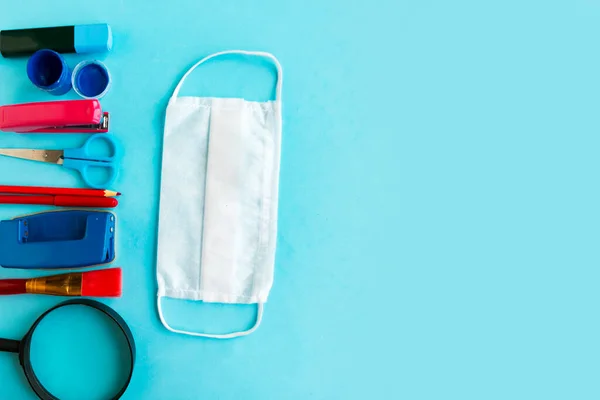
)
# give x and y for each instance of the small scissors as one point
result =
(78, 159)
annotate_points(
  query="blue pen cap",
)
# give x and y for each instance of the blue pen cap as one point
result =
(92, 38)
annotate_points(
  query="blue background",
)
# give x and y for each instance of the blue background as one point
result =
(438, 231)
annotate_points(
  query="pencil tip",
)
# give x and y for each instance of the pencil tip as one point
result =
(118, 193)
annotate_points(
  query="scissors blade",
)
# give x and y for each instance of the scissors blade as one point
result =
(49, 156)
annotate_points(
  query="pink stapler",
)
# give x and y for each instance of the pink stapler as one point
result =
(65, 116)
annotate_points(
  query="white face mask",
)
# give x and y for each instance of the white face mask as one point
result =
(218, 199)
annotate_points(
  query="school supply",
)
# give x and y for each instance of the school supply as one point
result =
(49, 71)
(79, 159)
(72, 238)
(58, 239)
(4, 189)
(91, 79)
(23, 347)
(91, 38)
(99, 283)
(63, 116)
(60, 201)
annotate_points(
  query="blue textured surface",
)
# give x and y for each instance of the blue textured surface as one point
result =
(438, 234)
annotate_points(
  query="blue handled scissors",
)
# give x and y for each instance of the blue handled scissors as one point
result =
(79, 159)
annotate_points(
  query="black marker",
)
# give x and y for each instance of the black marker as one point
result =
(94, 38)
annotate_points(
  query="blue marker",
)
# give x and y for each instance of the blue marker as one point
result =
(92, 38)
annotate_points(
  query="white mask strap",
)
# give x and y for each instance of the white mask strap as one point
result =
(242, 52)
(212, 335)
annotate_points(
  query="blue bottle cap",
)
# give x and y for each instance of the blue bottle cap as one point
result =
(91, 79)
(92, 38)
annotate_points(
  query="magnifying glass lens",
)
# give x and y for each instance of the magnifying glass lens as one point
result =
(79, 353)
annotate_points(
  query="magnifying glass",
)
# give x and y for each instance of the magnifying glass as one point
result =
(24, 347)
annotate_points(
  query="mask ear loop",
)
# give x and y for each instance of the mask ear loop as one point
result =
(232, 335)
(278, 87)
(240, 52)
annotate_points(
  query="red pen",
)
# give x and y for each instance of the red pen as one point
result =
(57, 191)
(61, 201)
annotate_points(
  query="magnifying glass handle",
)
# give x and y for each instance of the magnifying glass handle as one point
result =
(9, 345)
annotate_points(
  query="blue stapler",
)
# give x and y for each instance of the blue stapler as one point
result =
(58, 239)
